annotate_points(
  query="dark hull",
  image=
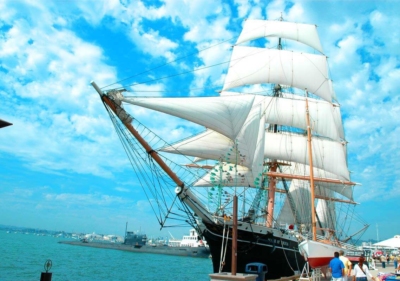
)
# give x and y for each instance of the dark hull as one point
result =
(196, 252)
(280, 255)
(135, 239)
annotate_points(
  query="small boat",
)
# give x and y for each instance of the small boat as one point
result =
(191, 240)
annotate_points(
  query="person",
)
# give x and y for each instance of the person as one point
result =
(383, 261)
(347, 265)
(336, 267)
(398, 266)
(371, 263)
(395, 261)
(361, 271)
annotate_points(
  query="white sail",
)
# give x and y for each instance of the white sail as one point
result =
(206, 145)
(258, 159)
(225, 115)
(245, 149)
(290, 110)
(304, 170)
(325, 117)
(304, 33)
(245, 178)
(326, 213)
(250, 142)
(206, 111)
(237, 176)
(327, 155)
(250, 65)
(299, 192)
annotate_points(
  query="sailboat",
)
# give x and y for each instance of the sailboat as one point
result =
(273, 138)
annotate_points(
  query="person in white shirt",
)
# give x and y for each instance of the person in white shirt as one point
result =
(361, 271)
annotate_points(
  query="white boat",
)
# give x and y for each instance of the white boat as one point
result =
(272, 156)
(191, 240)
(318, 254)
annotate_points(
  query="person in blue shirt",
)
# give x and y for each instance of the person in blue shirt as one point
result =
(336, 267)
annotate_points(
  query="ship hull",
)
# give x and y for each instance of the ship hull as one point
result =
(195, 252)
(316, 253)
(280, 254)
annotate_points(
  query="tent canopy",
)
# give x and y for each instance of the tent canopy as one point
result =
(392, 242)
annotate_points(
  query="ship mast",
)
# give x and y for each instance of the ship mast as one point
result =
(312, 187)
(274, 164)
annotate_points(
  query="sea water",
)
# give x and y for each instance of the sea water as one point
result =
(22, 258)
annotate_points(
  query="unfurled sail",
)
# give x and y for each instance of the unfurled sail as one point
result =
(303, 33)
(308, 72)
(225, 115)
(329, 155)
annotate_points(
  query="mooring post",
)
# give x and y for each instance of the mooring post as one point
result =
(46, 276)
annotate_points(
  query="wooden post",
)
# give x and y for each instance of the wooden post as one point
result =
(234, 236)
(312, 188)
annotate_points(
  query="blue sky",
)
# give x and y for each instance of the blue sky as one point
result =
(63, 167)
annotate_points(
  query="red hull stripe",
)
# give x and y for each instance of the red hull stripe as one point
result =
(319, 262)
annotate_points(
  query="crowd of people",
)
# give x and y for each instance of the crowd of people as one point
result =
(342, 269)
(387, 259)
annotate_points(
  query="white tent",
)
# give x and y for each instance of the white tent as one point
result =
(392, 242)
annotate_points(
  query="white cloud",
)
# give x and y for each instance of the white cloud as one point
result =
(85, 199)
(122, 189)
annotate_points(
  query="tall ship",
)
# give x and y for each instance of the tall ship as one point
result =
(268, 169)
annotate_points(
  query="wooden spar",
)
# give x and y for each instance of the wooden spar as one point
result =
(271, 196)
(283, 175)
(209, 167)
(234, 236)
(299, 177)
(324, 198)
(145, 145)
(312, 188)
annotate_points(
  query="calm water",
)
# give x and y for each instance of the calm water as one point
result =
(22, 257)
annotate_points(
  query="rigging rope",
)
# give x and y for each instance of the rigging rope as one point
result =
(157, 187)
(167, 63)
(224, 246)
